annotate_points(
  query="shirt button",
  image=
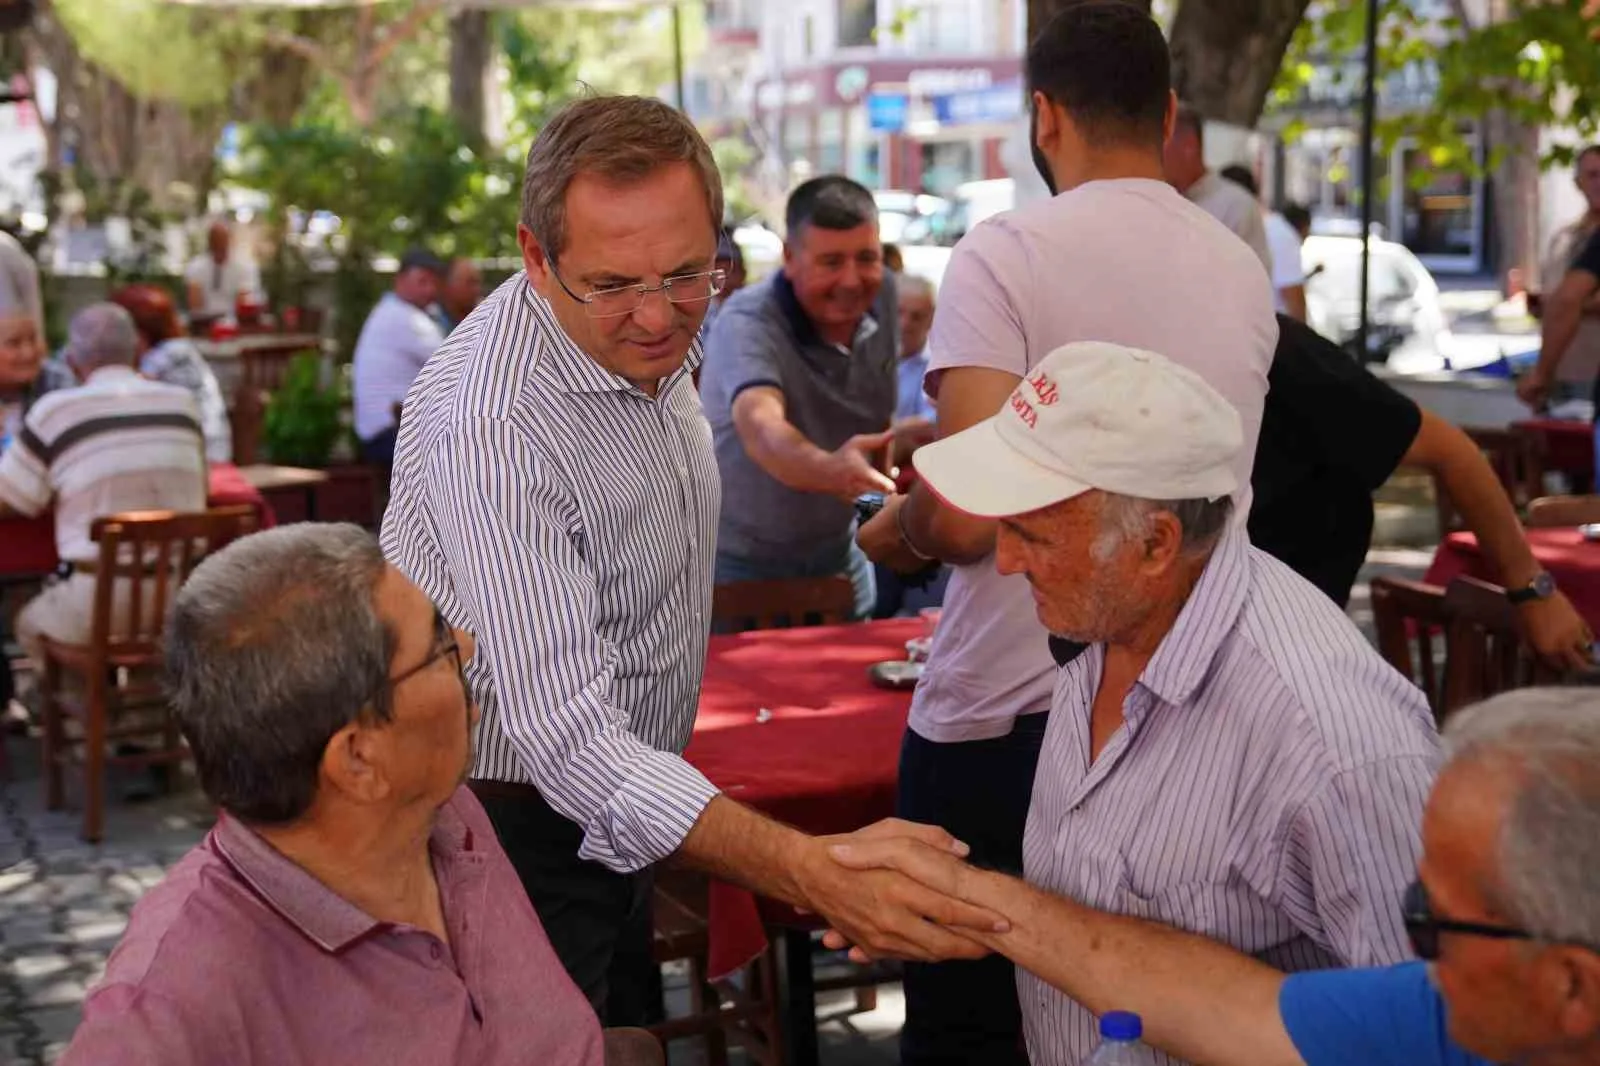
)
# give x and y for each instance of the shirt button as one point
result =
(435, 952)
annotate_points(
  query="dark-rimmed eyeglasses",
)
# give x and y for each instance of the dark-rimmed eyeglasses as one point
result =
(444, 643)
(1424, 927)
(626, 299)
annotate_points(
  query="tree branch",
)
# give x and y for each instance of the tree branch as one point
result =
(293, 42)
(399, 30)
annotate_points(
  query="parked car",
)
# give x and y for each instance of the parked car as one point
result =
(899, 210)
(972, 202)
(1407, 327)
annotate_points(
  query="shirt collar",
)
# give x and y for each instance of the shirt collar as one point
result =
(1207, 620)
(107, 374)
(805, 331)
(574, 370)
(321, 915)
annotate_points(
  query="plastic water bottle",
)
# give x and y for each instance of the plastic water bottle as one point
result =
(1119, 1040)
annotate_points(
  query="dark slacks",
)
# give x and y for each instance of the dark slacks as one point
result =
(967, 1012)
(597, 921)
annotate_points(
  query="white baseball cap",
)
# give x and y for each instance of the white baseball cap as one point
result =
(1091, 416)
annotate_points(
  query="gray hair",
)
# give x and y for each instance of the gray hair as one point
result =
(1549, 846)
(1126, 518)
(274, 645)
(618, 138)
(101, 335)
(912, 285)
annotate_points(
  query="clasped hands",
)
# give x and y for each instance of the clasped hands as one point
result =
(896, 890)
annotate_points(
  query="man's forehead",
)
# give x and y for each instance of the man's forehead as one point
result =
(1461, 830)
(821, 239)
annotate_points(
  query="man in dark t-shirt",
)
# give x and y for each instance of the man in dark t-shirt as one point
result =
(1331, 435)
(1563, 314)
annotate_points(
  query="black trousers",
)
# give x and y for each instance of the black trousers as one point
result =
(967, 1012)
(597, 921)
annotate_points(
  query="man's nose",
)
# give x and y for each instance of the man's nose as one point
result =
(656, 312)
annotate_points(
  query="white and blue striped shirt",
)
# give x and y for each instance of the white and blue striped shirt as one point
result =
(568, 521)
(1265, 788)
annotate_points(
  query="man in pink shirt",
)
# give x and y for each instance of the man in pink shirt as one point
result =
(352, 904)
(1117, 256)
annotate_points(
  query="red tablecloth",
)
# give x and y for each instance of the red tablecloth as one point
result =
(826, 762)
(28, 545)
(1571, 560)
(1568, 446)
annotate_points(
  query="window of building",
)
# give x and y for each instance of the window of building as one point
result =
(858, 23)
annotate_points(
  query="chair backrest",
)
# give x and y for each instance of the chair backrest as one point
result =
(1485, 648)
(1411, 622)
(1517, 458)
(1551, 512)
(263, 369)
(144, 557)
(264, 366)
(743, 605)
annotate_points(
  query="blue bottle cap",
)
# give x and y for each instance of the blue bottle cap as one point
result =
(1120, 1025)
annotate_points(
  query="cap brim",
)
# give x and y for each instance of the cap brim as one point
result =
(976, 471)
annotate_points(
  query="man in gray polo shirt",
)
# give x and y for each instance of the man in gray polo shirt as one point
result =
(799, 386)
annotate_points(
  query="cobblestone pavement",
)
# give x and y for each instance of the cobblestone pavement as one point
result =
(64, 903)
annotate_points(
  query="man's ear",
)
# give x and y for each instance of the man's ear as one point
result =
(1575, 981)
(1163, 541)
(353, 764)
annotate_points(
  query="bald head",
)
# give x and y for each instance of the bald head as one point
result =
(218, 240)
(102, 335)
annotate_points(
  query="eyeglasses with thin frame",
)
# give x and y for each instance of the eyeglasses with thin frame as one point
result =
(626, 299)
(445, 643)
(1423, 926)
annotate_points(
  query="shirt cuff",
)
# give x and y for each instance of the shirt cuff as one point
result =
(648, 818)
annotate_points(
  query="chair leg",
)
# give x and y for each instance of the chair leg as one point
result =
(94, 764)
(704, 1000)
(52, 737)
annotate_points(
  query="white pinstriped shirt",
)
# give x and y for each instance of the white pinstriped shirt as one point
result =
(1265, 789)
(568, 521)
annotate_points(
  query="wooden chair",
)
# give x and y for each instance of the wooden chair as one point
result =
(745, 1012)
(1486, 653)
(1411, 621)
(144, 558)
(743, 605)
(1554, 512)
(1517, 458)
(262, 371)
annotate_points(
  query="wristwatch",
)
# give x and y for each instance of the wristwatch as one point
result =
(1542, 587)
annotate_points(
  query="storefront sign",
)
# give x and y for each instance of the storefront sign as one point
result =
(1001, 103)
(886, 112)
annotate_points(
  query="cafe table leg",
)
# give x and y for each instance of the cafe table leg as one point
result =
(799, 998)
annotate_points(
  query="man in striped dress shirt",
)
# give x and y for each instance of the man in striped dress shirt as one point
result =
(556, 495)
(1225, 751)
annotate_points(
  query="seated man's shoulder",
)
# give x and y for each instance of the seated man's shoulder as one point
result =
(201, 913)
(1345, 695)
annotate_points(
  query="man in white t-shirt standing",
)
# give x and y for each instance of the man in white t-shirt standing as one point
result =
(1184, 160)
(1284, 238)
(1118, 256)
(216, 278)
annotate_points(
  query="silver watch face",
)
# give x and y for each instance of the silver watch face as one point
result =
(1543, 585)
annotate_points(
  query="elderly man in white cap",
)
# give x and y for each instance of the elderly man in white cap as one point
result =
(1225, 752)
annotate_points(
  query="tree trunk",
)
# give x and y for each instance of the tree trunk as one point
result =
(471, 63)
(1226, 54)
